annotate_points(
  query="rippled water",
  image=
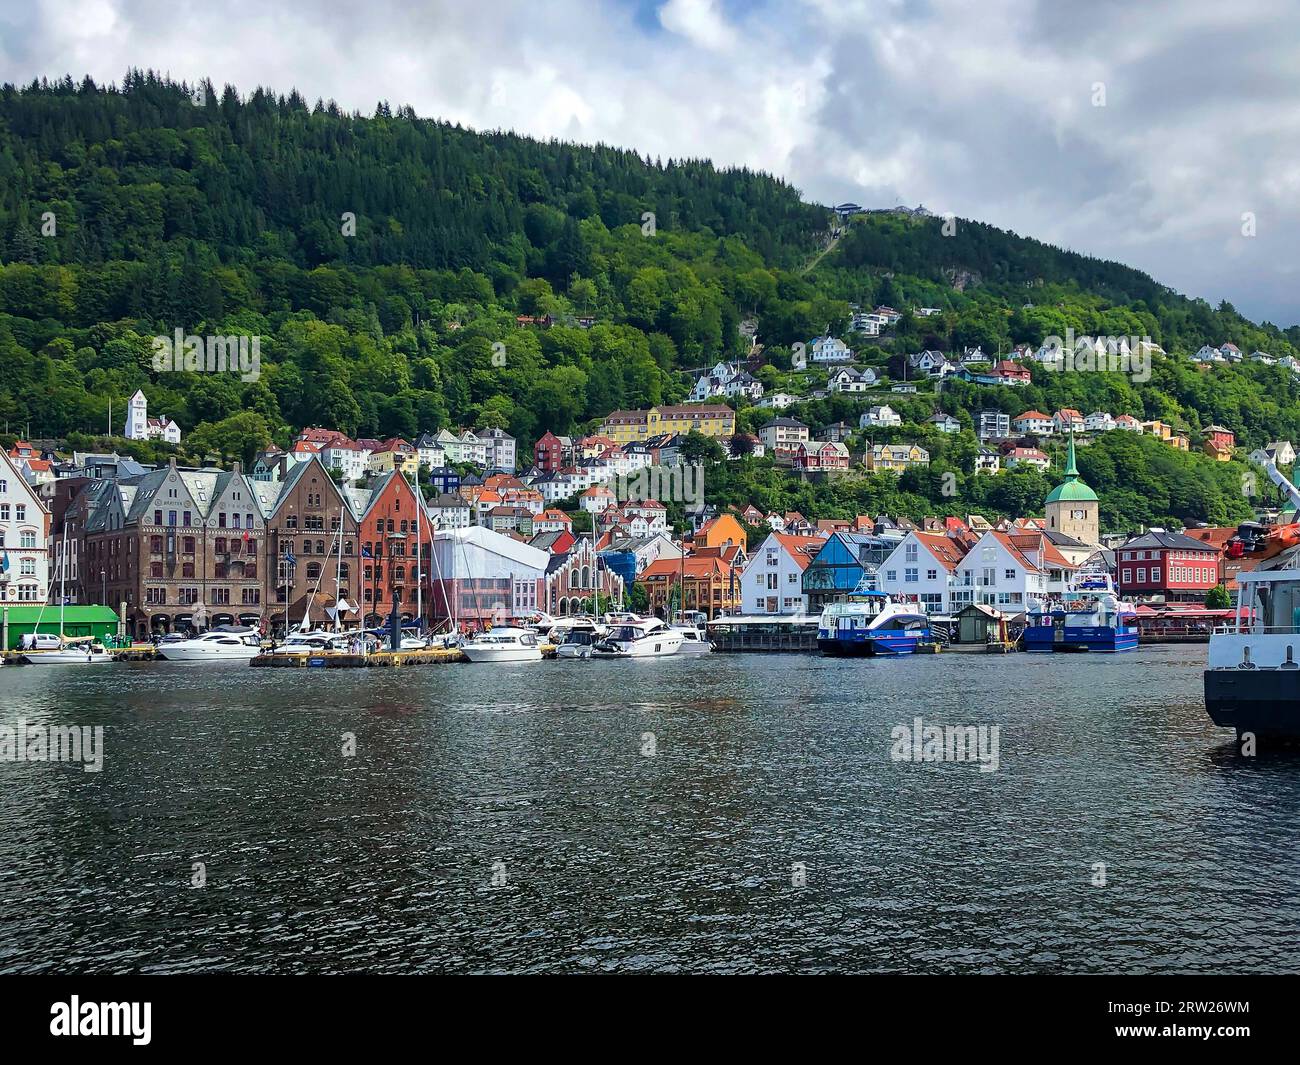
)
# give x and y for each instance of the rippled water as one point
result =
(646, 816)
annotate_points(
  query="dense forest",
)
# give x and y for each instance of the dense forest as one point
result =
(383, 260)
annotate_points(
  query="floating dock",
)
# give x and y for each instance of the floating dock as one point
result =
(431, 656)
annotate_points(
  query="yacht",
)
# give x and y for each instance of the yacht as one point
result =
(870, 623)
(1092, 617)
(639, 638)
(311, 643)
(503, 645)
(226, 643)
(84, 651)
(695, 640)
(575, 637)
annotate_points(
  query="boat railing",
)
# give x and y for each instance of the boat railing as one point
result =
(1247, 629)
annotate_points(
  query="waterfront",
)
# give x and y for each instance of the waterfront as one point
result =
(647, 816)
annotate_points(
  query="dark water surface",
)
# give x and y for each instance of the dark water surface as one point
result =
(617, 859)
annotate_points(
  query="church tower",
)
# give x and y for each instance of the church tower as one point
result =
(1072, 507)
(137, 417)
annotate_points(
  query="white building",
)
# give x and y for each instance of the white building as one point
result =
(830, 349)
(1099, 421)
(1034, 423)
(882, 416)
(1004, 570)
(498, 449)
(772, 581)
(139, 426)
(24, 532)
(848, 379)
(778, 401)
(921, 568)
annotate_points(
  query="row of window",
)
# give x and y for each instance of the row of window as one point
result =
(26, 538)
(190, 596)
(1177, 574)
(186, 519)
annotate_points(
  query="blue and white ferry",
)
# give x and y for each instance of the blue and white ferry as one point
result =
(1092, 617)
(870, 623)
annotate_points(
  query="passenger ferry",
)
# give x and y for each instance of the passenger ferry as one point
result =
(1091, 618)
(870, 623)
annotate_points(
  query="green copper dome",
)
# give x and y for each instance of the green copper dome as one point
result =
(1071, 490)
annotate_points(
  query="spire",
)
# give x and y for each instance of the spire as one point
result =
(1071, 470)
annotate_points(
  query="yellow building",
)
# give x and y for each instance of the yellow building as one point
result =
(897, 457)
(392, 454)
(632, 426)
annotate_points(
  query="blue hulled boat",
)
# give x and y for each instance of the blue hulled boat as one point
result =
(870, 623)
(1091, 618)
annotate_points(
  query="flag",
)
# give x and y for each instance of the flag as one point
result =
(288, 557)
(365, 551)
(247, 535)
(4, 563)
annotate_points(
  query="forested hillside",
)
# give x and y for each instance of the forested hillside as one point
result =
(381, 258)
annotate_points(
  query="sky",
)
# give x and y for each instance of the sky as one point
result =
(1160, 134)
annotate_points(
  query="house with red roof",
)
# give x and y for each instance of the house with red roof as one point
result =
(772, 581)
(1006, 570)
(921, 569)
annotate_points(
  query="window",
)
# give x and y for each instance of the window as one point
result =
(1142, 575)
(20, 512)
(932, 575)
(910, 575)
(1010, 574)
(891, 575)
(220, 596)
(1155, 575)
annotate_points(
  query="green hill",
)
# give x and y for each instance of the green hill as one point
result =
(383, 261)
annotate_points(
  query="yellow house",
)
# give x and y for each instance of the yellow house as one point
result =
(1158, 429)
(394, 454)
(631, 426)
(896, 457)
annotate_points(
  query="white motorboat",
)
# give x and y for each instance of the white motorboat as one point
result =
(577, 643)
(311, 643)
(503, 645)
(694, 640)
(226, 643)
(641, 638)
(77, 652)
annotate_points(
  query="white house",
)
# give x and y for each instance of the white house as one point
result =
(1027, 456)
(848, 379)
(1004, 570)
(778, 401)
(24, 535)
(921, 568)
(1034, 423)
(1262, 356)
(139, 426)
(987, 460)
(1099, 421)
(945, 423)
(1209, 354)
(882, 416)
(1128, 423)
(772, 581)
(830, 349)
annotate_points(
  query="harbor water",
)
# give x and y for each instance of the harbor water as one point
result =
(728, 813)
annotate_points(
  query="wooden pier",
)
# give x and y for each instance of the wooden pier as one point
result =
(430, 656)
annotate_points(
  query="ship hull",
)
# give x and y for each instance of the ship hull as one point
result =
(1264, 702)
(1080, 638)
(869, 646)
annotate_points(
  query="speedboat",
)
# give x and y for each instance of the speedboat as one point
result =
(226, 643)
(694, 640)
(1092, 617)
(870, 623)
(503, 645)
(575, 637)
(311, 643)
(84, 651)
(639, 638)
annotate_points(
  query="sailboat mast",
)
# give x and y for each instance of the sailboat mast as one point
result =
(63, 577)
(419, 576)
(338, 575)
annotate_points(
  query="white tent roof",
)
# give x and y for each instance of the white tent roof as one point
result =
(479, 553)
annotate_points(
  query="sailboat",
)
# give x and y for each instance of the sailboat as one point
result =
(65, 651)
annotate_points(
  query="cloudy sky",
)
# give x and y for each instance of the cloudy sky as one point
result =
(1159, 134)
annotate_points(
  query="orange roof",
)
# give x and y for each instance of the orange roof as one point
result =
(944, 548)
(696, 567)
(800, 548)
(1032, 414)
